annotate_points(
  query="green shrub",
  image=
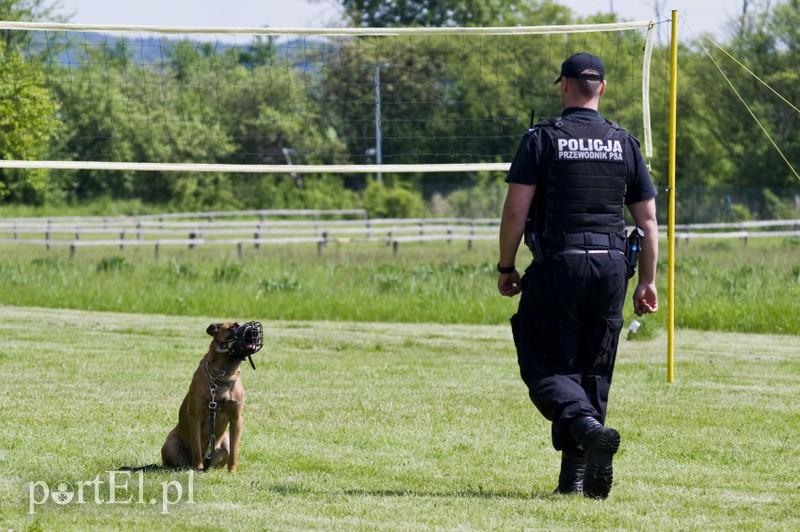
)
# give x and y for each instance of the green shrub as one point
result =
(228, 271)
(481, 199)
(773, 208)
(111, 263)
(52, 263)
(394, 202)
(287, 283)
(740, 213)
(181, 270)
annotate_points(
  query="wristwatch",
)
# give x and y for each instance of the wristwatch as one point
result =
(506, 269)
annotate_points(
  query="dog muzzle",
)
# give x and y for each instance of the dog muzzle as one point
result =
(246, 341)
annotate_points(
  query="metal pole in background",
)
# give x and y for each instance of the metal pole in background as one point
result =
(378, 139)
(673, 127)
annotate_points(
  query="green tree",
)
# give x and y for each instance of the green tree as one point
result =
(463, 99)
(264, 107)
(27, 112)
(200, 104)
(27, 123)
(440, 13)
(28, 11)
(722, 128)
(271, 119)
(118, 110)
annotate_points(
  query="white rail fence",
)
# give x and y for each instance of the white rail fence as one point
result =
(320, 227)
(240, 229)
(740, 230)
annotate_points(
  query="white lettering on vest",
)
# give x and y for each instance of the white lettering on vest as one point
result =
(589, 149)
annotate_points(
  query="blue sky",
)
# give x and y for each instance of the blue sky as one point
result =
(695, 15)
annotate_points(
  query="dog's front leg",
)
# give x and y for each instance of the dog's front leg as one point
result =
(195, 441)
(236, 435)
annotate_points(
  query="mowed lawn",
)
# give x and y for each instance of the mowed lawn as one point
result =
(371, 426)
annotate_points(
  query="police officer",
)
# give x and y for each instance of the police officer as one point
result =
(567, 188)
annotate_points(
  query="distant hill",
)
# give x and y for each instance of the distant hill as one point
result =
(70, 47)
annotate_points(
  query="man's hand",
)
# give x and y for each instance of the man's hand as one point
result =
(645, 299)
(508, 284)
(512, 226)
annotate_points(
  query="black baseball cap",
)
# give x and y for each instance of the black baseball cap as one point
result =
(574, 66)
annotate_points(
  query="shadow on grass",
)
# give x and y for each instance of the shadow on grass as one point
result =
(467, 494)
(286, 489)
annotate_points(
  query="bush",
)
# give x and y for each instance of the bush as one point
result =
(482, 199)
(228, 271)
(394, 202)
(740, 213)
(773, 208)
(111, 263)
(287, 283)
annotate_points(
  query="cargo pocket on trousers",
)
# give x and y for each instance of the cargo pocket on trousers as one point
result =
(608, 333)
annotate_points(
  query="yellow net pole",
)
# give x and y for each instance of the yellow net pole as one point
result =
(673, 122)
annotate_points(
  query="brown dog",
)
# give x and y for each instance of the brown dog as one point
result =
(215, 396)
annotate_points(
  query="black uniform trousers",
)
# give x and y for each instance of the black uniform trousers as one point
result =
(566, 332)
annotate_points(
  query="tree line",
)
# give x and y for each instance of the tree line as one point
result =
(73, 98)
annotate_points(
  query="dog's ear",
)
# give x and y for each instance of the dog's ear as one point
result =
(213, 328)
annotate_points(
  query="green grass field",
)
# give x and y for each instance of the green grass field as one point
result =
(370, 426)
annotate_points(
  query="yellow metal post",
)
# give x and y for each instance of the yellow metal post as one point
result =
(673, 123)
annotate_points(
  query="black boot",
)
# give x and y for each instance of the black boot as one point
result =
(570, 480)
(600, 444)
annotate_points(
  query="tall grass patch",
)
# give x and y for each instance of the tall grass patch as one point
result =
(728, 285)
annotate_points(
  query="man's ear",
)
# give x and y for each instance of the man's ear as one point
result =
(213, 328)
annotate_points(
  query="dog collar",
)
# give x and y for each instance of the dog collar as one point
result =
(215, 374)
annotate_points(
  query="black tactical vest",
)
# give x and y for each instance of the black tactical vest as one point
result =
(586, 183)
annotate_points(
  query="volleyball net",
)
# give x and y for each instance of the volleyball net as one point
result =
(283, 100)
